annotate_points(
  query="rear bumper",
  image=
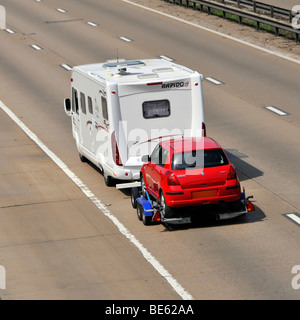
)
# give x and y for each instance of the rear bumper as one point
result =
(185, 198)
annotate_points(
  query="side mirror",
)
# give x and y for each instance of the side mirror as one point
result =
(67, 106)
(146, 158)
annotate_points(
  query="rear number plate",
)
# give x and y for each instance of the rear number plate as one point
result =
(204, 194)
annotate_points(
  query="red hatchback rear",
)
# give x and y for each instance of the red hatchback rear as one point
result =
(190, 172)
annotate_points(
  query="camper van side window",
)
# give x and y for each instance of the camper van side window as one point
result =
(90, 105)
(104, 108)
(82, 103)
(74, 100)
(156, 109)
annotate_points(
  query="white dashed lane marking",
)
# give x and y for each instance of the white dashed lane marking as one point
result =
(276, 110)
(35, 47)
(214, 81)
(294, 217)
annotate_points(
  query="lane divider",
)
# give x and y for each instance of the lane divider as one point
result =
(125, 39)
(166, 58)
(66, 67)
(10, 31)
(214, 81)
(294, 217)
(35, 47)
(93, 24)
(276, 110)
(61, 10)
(103, 209)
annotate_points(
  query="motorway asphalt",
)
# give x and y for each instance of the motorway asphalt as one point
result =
(54, 242)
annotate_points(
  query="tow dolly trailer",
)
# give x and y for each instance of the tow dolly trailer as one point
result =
(148, 210)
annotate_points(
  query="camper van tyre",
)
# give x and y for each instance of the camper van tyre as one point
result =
(108, 179)
(82, 158)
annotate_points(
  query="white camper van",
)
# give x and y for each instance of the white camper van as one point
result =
(120, 109)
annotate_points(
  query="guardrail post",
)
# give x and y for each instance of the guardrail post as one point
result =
(272, 11)
(254, 6)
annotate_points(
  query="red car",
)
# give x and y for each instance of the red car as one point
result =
(189, 172)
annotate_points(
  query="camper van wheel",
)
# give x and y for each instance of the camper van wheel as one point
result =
(82, 158)
(134, 196)
(108, 179)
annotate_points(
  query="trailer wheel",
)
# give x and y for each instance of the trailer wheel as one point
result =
(146, 219)
(134, 196)
(139, 211)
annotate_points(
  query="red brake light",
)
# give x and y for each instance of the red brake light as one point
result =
(115, 150)
(231, 174)
(171, 179)
(204, 129)
(154, 83)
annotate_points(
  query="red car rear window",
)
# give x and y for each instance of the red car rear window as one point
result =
(198, 159)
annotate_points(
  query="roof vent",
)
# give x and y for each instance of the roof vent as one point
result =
(122, 63)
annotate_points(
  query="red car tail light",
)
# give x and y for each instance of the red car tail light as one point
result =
(231, 174)
(115, 150)
(171, 179)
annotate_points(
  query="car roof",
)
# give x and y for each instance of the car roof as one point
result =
(189, 144)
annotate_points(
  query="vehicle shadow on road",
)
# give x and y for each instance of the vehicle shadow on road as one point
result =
(247, 170)
(209, 220)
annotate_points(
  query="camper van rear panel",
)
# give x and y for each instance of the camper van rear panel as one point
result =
(119, 114)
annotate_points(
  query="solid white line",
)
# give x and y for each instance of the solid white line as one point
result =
(277, 54)
(215, 81)
(97, 202)
(277, 111)
(294, 217)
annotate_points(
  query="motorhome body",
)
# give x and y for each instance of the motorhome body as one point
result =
(120, 109)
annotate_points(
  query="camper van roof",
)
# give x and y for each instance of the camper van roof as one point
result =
(134, 70)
